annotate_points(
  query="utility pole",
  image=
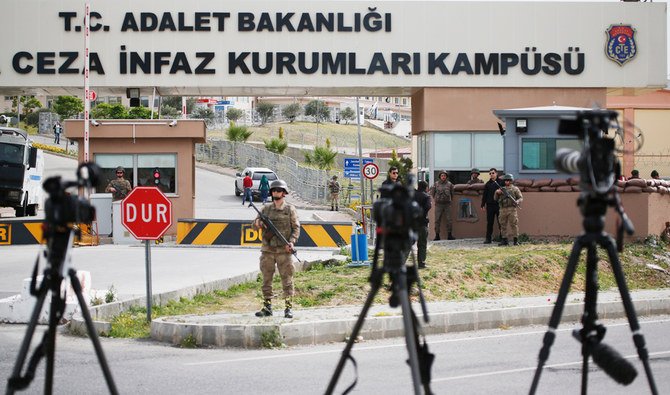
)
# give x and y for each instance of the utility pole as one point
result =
(360, 151)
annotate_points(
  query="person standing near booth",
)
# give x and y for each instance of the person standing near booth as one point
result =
(442, 193)
(490, 203)
(120, 187)
(509, 198)
(422, 198)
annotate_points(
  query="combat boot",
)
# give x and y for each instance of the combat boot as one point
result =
(450, 237)
(516, 241)
(437, 237)
(287, 311)
(487, 241)
(266, 310)
(503, 242)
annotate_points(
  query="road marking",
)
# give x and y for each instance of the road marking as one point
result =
(401, 344)
(529, 369)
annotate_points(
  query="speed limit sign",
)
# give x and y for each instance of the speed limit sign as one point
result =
(370, 171)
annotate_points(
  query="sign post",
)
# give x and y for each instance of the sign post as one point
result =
(371, 171)
(147, 214)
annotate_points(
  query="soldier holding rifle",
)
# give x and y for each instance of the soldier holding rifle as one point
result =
(509, 198)
(281, 229)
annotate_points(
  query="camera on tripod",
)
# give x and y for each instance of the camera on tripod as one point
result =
(62, 208)
(596, 163)
(397, 215)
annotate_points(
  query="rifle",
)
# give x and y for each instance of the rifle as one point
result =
(268, 223)
(507, 195)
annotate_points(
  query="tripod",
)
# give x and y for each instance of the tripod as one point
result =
(592, 332)
(59, 243)
(420, 359)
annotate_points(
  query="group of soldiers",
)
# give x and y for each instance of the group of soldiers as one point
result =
(499, 200)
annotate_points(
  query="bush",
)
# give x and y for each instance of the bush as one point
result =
(238, 133)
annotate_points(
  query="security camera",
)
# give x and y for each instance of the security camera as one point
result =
(94, 122)
(173, 123)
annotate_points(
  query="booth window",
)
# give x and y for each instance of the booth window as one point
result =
(108, 164)
(539, 153)
(166, 164)
(140, 169)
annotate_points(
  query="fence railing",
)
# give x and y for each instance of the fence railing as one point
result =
(309, 184)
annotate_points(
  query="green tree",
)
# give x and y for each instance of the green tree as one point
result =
(323, 157)
(28, 105)
(109, 111)
(317, 109)
(233, 114)
(139, 113)
(205, 113)
(348, 114)
(169, 112)
(292, 111)
(175, 102)
(238, 133)
(265, 111)
(404, 165)
(67, 106)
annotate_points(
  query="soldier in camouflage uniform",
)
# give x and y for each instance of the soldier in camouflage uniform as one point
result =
(274, 251)
(509, 198)
(120, 188)
(442, 193)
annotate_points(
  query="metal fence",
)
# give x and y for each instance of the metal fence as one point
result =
(309, 184)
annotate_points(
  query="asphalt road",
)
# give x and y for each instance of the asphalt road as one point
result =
(481, 362)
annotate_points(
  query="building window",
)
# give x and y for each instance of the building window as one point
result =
(539, 153)
(488, 151)
(139, 170)
(463, 151)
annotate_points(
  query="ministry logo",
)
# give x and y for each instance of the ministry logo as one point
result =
(621, 46)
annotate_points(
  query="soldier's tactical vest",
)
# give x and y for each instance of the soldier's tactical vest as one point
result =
(282, 221)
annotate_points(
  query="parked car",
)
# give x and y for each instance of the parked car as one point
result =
(256, 173)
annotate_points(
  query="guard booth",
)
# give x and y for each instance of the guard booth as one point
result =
(153, 152)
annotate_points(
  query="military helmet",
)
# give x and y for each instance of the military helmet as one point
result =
(508, 177)
(121, 169)
(279, 184)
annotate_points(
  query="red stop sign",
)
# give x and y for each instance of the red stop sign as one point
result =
(146, 213)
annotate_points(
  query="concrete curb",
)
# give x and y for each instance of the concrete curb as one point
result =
(102, 313)
(175, 330)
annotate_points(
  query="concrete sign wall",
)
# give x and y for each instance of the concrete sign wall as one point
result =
(334, 47)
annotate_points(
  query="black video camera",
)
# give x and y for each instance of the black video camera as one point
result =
(596, 163)
(62, 208)
(398, 218)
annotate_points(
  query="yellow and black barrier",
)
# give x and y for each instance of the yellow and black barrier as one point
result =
(17, 232)
(240, 233)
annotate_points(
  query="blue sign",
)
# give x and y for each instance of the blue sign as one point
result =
(352, 168)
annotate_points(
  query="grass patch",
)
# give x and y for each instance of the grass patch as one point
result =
(452, 274)
(188, 342)
(272, 339)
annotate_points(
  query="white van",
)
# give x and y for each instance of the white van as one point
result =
(21, 172)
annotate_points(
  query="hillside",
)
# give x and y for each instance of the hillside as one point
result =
(310, 134)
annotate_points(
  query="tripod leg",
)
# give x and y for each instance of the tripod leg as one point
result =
(25, 345)
(555, 319)
(638, 338)
(590, 315)
(55, 313)
(375, 282)
(410, 334)
(92, 332)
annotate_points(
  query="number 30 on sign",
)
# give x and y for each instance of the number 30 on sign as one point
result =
(370, 171)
